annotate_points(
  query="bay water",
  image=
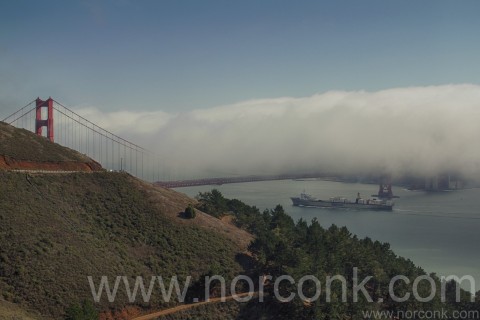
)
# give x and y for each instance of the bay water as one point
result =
(438, 231)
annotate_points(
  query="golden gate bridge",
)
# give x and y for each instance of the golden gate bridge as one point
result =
(60, 124)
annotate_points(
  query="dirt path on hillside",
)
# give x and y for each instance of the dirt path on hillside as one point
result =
(189, 306)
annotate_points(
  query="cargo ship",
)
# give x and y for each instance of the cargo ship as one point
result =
(306, 200)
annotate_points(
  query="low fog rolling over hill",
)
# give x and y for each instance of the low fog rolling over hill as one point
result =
(412, 130)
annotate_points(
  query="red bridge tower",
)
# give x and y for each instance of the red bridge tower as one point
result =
(40, 123)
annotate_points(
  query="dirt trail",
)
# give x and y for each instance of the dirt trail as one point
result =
(189, 306)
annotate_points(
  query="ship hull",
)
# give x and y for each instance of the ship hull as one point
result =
(299, 202)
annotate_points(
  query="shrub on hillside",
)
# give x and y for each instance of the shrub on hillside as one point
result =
(84, 311)
(190, 212)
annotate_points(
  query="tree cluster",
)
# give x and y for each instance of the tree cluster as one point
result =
(283, 247)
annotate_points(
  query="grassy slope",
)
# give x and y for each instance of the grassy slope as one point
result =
(55, 230)
(22, 144)
(10, 311)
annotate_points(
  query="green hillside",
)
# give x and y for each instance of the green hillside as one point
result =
(55, 230)
(20, 144)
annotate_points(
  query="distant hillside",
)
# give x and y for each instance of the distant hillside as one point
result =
(21, 149)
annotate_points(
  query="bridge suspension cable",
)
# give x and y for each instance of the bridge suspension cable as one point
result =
(8, 119)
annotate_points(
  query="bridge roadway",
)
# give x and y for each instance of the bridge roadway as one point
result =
(220, 181)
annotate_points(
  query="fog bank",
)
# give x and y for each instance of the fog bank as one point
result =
(417, 130)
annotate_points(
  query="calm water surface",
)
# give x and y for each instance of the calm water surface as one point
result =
(438, 231)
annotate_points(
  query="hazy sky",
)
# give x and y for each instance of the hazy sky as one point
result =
(184, 55)
(281, 85)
